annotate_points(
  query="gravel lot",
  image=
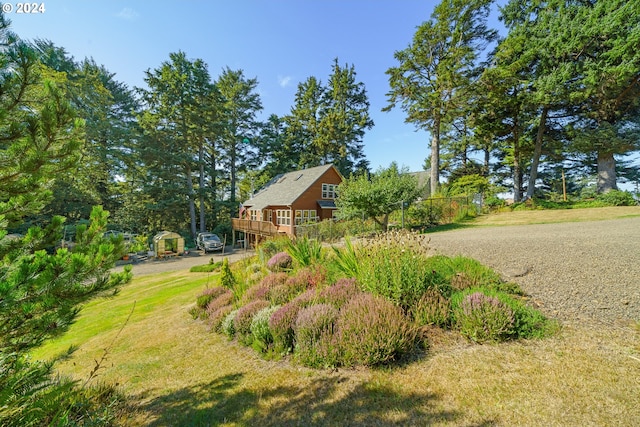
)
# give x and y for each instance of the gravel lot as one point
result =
(576, 272)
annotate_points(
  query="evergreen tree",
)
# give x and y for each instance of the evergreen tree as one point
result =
(436, 70)
(41, 287)
(176, 124)
(238, 138)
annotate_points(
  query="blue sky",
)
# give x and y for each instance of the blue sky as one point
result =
(279, 42)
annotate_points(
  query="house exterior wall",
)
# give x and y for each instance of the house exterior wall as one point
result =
(309, 200)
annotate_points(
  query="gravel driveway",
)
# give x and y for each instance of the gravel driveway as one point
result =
(576, 272)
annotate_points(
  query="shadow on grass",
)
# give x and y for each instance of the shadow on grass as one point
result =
(327, 401)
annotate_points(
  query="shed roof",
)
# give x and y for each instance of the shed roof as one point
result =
(284, 189)
(166, 235)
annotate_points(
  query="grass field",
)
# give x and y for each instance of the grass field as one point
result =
(177, 373)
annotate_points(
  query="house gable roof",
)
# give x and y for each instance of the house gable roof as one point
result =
(285, 189)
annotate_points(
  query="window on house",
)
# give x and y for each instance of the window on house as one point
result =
(329, 191)
(254, 214)
(283, 217)
(266, 215)
(306, 216)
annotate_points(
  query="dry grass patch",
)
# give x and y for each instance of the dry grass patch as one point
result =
(178, 373)
(545, 216)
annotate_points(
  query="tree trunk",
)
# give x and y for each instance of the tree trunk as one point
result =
(517, 170)
(537, 151)
(203, 219)
(435, 157)
(487, 159)
(606, 172)
(192, 205)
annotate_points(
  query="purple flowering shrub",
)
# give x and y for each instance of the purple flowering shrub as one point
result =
(315, 344)
(272, 280)
(309, 277)
(225, 298)
(254, 293)
(280, 262)
(483, 318)
(372, 330)
(206, 296)
(340, 293)
(306, 278)
(432, 309)
(217, 317)
(282, 321)
(244, 316)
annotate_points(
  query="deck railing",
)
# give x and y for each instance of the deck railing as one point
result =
(263, 228)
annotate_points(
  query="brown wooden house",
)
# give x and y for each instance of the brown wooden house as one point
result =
(286, 202)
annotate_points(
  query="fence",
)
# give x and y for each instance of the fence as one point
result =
(419, 215)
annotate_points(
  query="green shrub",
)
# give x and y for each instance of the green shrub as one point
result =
(617, 198)
(482, 318)
(262, 336)
(432, 309)
(372, 331)
(227, 279)
(314, 342)
(346, 258)
(206, 268)
(270, 247)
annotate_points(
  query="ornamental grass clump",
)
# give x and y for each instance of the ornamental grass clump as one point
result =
(281, 261)
(397, 266)
(305, 252)
(314, 342)
(373, 331)
(242, 320)
(483, 318)
(339, 293)
(262, 338)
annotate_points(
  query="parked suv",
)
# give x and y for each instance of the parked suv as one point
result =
(208, 242)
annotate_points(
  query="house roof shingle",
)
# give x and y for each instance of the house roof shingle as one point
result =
(284, 189)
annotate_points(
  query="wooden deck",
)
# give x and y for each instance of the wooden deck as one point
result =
(260, 228)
